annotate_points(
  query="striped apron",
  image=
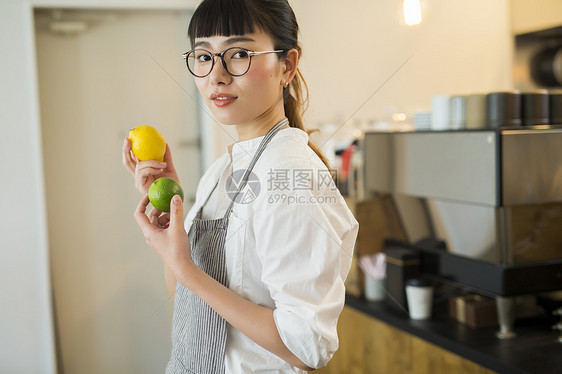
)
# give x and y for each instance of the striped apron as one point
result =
(198, 332)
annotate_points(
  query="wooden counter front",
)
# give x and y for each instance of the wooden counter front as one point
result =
(369, 346)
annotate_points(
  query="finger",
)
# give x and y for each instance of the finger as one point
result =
(156, 165)
(140, 215)
(153, 216)
(153, 221)
(168, 157)
(164, 220)
(126, 155)
(142, 174)
(176, 213)
(155, 212)
(140, 184)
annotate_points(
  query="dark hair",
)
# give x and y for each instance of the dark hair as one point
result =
(273, 17)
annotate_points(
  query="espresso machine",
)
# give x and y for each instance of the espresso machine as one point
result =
(483, 207)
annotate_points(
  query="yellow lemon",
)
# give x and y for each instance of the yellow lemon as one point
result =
(161, 192)
(147, 143)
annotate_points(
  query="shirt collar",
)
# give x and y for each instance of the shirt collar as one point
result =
(247, 148)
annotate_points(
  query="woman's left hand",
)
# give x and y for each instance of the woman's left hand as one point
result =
(165, 234)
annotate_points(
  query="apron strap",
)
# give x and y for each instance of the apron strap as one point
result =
(270, 134)
(200, 211)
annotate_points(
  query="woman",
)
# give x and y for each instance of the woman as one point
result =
(258, 267)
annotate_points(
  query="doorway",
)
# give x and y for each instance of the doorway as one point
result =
(102, 72)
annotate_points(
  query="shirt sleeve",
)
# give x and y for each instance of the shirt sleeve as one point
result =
(305, 240)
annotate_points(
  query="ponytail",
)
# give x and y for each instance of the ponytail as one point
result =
(295, 101)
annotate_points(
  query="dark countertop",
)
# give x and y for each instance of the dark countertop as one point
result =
(535, 349)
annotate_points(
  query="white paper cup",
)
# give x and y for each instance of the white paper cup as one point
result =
(440, 112)
(420, 298)
(457, 112)
(374, 288)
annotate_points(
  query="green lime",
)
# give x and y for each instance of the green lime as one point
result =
(161, 192)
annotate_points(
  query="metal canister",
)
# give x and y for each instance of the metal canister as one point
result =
(503, 109)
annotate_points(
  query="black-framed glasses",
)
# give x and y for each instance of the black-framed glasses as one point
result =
(236, 61)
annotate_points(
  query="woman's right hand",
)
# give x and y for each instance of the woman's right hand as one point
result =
(146, 172)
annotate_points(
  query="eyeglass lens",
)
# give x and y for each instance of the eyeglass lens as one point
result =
(236, 61)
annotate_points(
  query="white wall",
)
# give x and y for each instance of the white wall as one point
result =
(532, 15)
(352, 47)
(26, 334)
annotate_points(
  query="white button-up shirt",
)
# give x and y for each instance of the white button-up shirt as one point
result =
(289, 248)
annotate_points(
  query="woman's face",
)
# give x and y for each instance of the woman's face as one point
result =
(259, 92)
